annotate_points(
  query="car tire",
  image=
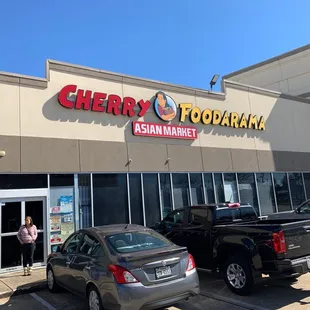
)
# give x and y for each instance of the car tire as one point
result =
(51, 281)
(93, 299)
(238, 275)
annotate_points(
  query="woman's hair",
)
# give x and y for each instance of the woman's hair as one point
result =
(167, 105)
(30, 219)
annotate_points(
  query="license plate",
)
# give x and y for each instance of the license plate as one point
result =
(163, 272)
(308, 262)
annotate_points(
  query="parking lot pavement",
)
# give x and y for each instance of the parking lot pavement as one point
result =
(270, 294)
(45, 300)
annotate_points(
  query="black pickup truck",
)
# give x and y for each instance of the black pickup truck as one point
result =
(230, 238)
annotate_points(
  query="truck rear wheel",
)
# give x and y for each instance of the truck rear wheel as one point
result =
(238, 276)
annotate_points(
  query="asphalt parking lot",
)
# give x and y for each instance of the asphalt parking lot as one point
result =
(270, 294)
(45, 300)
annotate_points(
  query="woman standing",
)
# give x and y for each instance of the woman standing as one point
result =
(27, 236)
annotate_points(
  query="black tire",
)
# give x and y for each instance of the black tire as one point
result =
(91, 293)
(240, 267)
(52, 285)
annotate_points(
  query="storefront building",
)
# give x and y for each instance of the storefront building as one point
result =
(86, 147)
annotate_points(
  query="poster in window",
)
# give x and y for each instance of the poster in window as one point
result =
(55, 223)
(66, 204)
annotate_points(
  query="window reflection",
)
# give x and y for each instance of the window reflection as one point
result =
(165, 192)
(85, 200)
(297, 188)
(110, 199)
(266, 194)
(247, 189)
(180, 190)
(136, 205)
(219, 187)
(307, 183)
(282, 192)
(151, 198)
(209, 189)
(196, 188)
(230, 187)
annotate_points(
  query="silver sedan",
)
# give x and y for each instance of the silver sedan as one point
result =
(124, 267)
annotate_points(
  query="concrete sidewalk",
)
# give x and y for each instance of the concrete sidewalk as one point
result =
(16, 283)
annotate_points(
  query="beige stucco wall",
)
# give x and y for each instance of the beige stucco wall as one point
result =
(35, 112)
(290, 75)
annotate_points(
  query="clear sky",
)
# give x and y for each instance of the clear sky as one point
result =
(178, 41)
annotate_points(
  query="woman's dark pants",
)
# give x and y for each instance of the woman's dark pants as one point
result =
(28, 251)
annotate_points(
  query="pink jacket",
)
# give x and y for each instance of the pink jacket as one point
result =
(27, 235)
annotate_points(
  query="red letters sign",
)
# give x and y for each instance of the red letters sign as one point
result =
(164, 131)
(87, 100)
(111, 103)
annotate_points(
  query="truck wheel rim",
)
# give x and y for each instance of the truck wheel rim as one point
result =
(236, 276)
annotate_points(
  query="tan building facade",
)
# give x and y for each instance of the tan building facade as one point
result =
(87, 147)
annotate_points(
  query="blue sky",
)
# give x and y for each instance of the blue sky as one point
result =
(178, 41)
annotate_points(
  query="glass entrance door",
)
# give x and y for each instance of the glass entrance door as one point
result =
(13, 213)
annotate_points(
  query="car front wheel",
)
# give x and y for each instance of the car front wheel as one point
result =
(51, 282)
(238, 275)
(94, 301)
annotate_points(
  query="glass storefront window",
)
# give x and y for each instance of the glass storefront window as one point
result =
(209, 188)
(25, 181)
(282, 192)
(136, 204)
(219, 187)
(247, 190)
(85, 200)
(297, 188)
(110, 198)
(307, 184)
(61, 208)
(266, 193)
(196, 188)
(151, 198)
(165, 192)
(180, 190)
(230, 187)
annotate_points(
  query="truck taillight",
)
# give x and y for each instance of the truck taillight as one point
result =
(278, 242)
(122, 275)
(190, 263)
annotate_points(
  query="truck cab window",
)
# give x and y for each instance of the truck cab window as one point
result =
(175, 217)
(198, 217)
(224, 215)
(305, 208)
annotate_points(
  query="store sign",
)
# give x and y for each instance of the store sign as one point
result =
(216, 117)
(164, 131)
(164, 107)
(95, 101)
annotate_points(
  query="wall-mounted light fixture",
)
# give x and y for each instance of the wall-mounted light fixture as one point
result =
(167, 161)
(2, 153)
(128, 162)
(214, 80)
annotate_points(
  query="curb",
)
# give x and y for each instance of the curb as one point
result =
(232, 301)
(23, 290)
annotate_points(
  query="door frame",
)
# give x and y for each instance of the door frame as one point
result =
(22, 195)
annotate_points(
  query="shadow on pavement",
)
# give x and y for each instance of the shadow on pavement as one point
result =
(269, 294)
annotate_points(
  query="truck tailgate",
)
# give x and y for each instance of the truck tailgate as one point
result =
(297, 236)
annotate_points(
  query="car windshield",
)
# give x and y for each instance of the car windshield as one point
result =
(128, 242)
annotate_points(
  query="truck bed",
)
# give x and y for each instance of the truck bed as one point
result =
(296, 232)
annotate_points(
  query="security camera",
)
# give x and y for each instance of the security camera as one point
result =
(129, 160)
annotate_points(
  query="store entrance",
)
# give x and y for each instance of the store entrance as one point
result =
(12, 214)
